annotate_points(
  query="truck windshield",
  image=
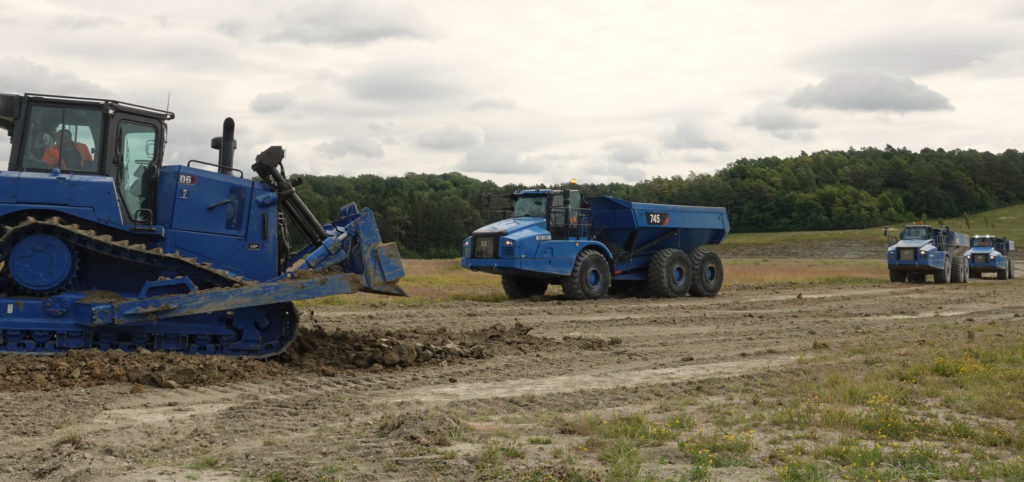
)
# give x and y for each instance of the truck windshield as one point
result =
(917, 232)
(981, 242)
(533, 206)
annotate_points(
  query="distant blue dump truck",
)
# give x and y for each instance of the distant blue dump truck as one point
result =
(990, 254)
(923, 250)
(594, 244)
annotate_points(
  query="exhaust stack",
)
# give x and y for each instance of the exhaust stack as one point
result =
(226, 159)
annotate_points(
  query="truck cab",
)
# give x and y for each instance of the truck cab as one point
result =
(991, 254)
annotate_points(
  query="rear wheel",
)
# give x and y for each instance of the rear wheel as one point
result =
(707, 273)
(897, 276)
(669, 274)
(518, 287)
(943, 275)
(590, 277)
(959, 274)
(1009, 266)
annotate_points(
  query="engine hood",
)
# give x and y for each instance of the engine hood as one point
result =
(913, 243)
(511, 226)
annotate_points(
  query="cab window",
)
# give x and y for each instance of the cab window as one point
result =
(62, 137)
(136, 171)
(532, 206)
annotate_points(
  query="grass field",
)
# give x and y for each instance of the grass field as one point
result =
(441, 280)
(1000, 222)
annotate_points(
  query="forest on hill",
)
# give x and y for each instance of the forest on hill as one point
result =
(430, 214)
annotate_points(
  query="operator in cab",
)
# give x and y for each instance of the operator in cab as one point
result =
(66, 152)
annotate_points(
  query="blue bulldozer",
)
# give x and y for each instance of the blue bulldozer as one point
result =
(591, 245)
(991, 254)
(924, 250)
(103, 246)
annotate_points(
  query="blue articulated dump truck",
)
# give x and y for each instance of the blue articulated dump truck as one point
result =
(991, 254)
(103, 246)
(599, 243)
(923, 250)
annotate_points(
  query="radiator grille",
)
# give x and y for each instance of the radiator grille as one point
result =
(906, 254)
(979, 258)
(485, 247)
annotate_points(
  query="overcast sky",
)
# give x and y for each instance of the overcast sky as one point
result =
(536, 91)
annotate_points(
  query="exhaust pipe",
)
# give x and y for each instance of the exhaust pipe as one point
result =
(226, 144)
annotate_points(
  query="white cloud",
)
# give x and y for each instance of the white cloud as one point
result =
(451, 137)
(687, 134)
(779, 120)
(271, 102)
(403, 83)
(868, 91)
(628, 151)
(345, 146)
(21, 76)
(492, 102)
(348, 22)
(497, 160)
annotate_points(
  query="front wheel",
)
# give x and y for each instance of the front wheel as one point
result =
(519, 287)
(590, 277)
(943, 275)
(897, 276)
(707, 273)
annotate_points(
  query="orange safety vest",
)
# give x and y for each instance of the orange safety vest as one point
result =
(52, 156)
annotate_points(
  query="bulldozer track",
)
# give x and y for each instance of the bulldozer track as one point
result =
(106, 244)
(97, 243)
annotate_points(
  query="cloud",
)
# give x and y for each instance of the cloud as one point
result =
(20, 75)
(628, 151)
(497, 160)
(271, 102)
(451, 137)
(779, 120)
(403, 84)
(81, 22)
(686, 134)
(868, 91)
(347, 22)
(351, 146)
(912, 53)
(492, 102)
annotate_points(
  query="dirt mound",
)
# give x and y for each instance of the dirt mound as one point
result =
(324, 352)
(315, 350)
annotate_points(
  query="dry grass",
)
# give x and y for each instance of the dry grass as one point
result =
(768, 272)
(429, 281)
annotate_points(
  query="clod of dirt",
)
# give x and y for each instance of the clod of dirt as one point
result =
(428, 428)
(819, 345)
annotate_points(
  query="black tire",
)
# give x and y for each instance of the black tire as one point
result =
(590, 277)
(1004, 273)
(519, 287)
(915, 277)
(669, 274)
(707, 273)
(943, 275)
(897, 276)
(1009, 265)
(959, 274)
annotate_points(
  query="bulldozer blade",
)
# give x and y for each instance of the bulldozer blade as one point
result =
(382, 265)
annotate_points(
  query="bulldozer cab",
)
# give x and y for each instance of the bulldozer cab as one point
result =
(90, 137)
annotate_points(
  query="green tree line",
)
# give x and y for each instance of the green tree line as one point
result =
(430, 214)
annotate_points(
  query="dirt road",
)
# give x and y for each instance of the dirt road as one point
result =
(416, 393)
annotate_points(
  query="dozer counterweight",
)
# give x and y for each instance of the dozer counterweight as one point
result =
(102, 246)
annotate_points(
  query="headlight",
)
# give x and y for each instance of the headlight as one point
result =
(992, 256)
(924, 253)
(509, 242)
(466, 243)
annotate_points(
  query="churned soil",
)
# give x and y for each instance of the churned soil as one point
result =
(402, 393)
